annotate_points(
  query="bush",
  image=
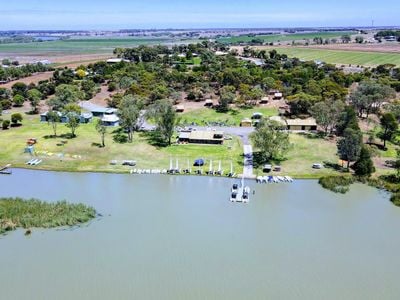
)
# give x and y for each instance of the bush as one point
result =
(337, 184)
(16, 118)
(395, 199)
(18, 100)
(6, 124)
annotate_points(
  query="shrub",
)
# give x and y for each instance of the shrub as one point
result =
(395, 199)
(18, 100)
(16, 118)
(337, 184)
(6, 124)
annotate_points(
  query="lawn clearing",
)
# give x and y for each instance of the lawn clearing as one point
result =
(207, 116)
(83, 153)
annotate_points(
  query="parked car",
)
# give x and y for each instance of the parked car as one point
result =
(317, 166)
(131, 163)
(199, 162)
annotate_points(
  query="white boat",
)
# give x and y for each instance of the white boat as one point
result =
(280, 178)
(289, 179)
(30, 161)
(275, 179)
(39, 161)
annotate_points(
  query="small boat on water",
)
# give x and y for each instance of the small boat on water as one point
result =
(235, 187)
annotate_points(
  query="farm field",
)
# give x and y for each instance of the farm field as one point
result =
(284, 37)
(342, 56)
(77, 46)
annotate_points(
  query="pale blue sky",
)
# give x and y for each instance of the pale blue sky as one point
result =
(118, 14)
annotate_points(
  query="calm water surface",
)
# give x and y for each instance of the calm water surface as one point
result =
(166, 237)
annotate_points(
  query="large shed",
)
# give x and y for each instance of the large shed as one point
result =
(201, 137)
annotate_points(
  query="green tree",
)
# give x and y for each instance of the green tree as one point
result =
(19, 88)
(346, 38)
(347, 119)
(327, 114)
(349, 146)
(166, 119)
(65, 93)
(389, 127)
(271, 139)
(102, 130)
(73, 122)
(364, 165)
(53, 118)
(16, 118)
(18, 100)
(359, 39)
(227, 96)
(369, 96)
(34, 97)
(130, 114)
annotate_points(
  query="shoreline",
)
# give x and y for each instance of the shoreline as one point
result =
(127, 172)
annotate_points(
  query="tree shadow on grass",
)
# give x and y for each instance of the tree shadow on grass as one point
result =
(333, 166)
(259, 160)
(67, 136)
(313, 136)
(154, 138)
(98, 145)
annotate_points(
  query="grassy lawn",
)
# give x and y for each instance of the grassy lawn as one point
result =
(83, 154)
(342, 57)
(284, 37)
(205, 116)
(306, 151)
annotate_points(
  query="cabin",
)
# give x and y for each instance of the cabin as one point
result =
(278, 96)
(110, 120)
(246, 123)
(301, 124)
(116, 60)
(264, 100)
(209, 103)
(44, 118)
(96, 110)
(297, 125)
(179, 108)
(201, 137)
(85, 118)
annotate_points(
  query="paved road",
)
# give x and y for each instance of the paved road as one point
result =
(248, 161)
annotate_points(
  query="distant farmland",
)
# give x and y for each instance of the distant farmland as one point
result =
(78, 46)
(284, 38)
(342, 56)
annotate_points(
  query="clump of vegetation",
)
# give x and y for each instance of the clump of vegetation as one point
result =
(19, 213)
(337, 184)
(395, 199)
